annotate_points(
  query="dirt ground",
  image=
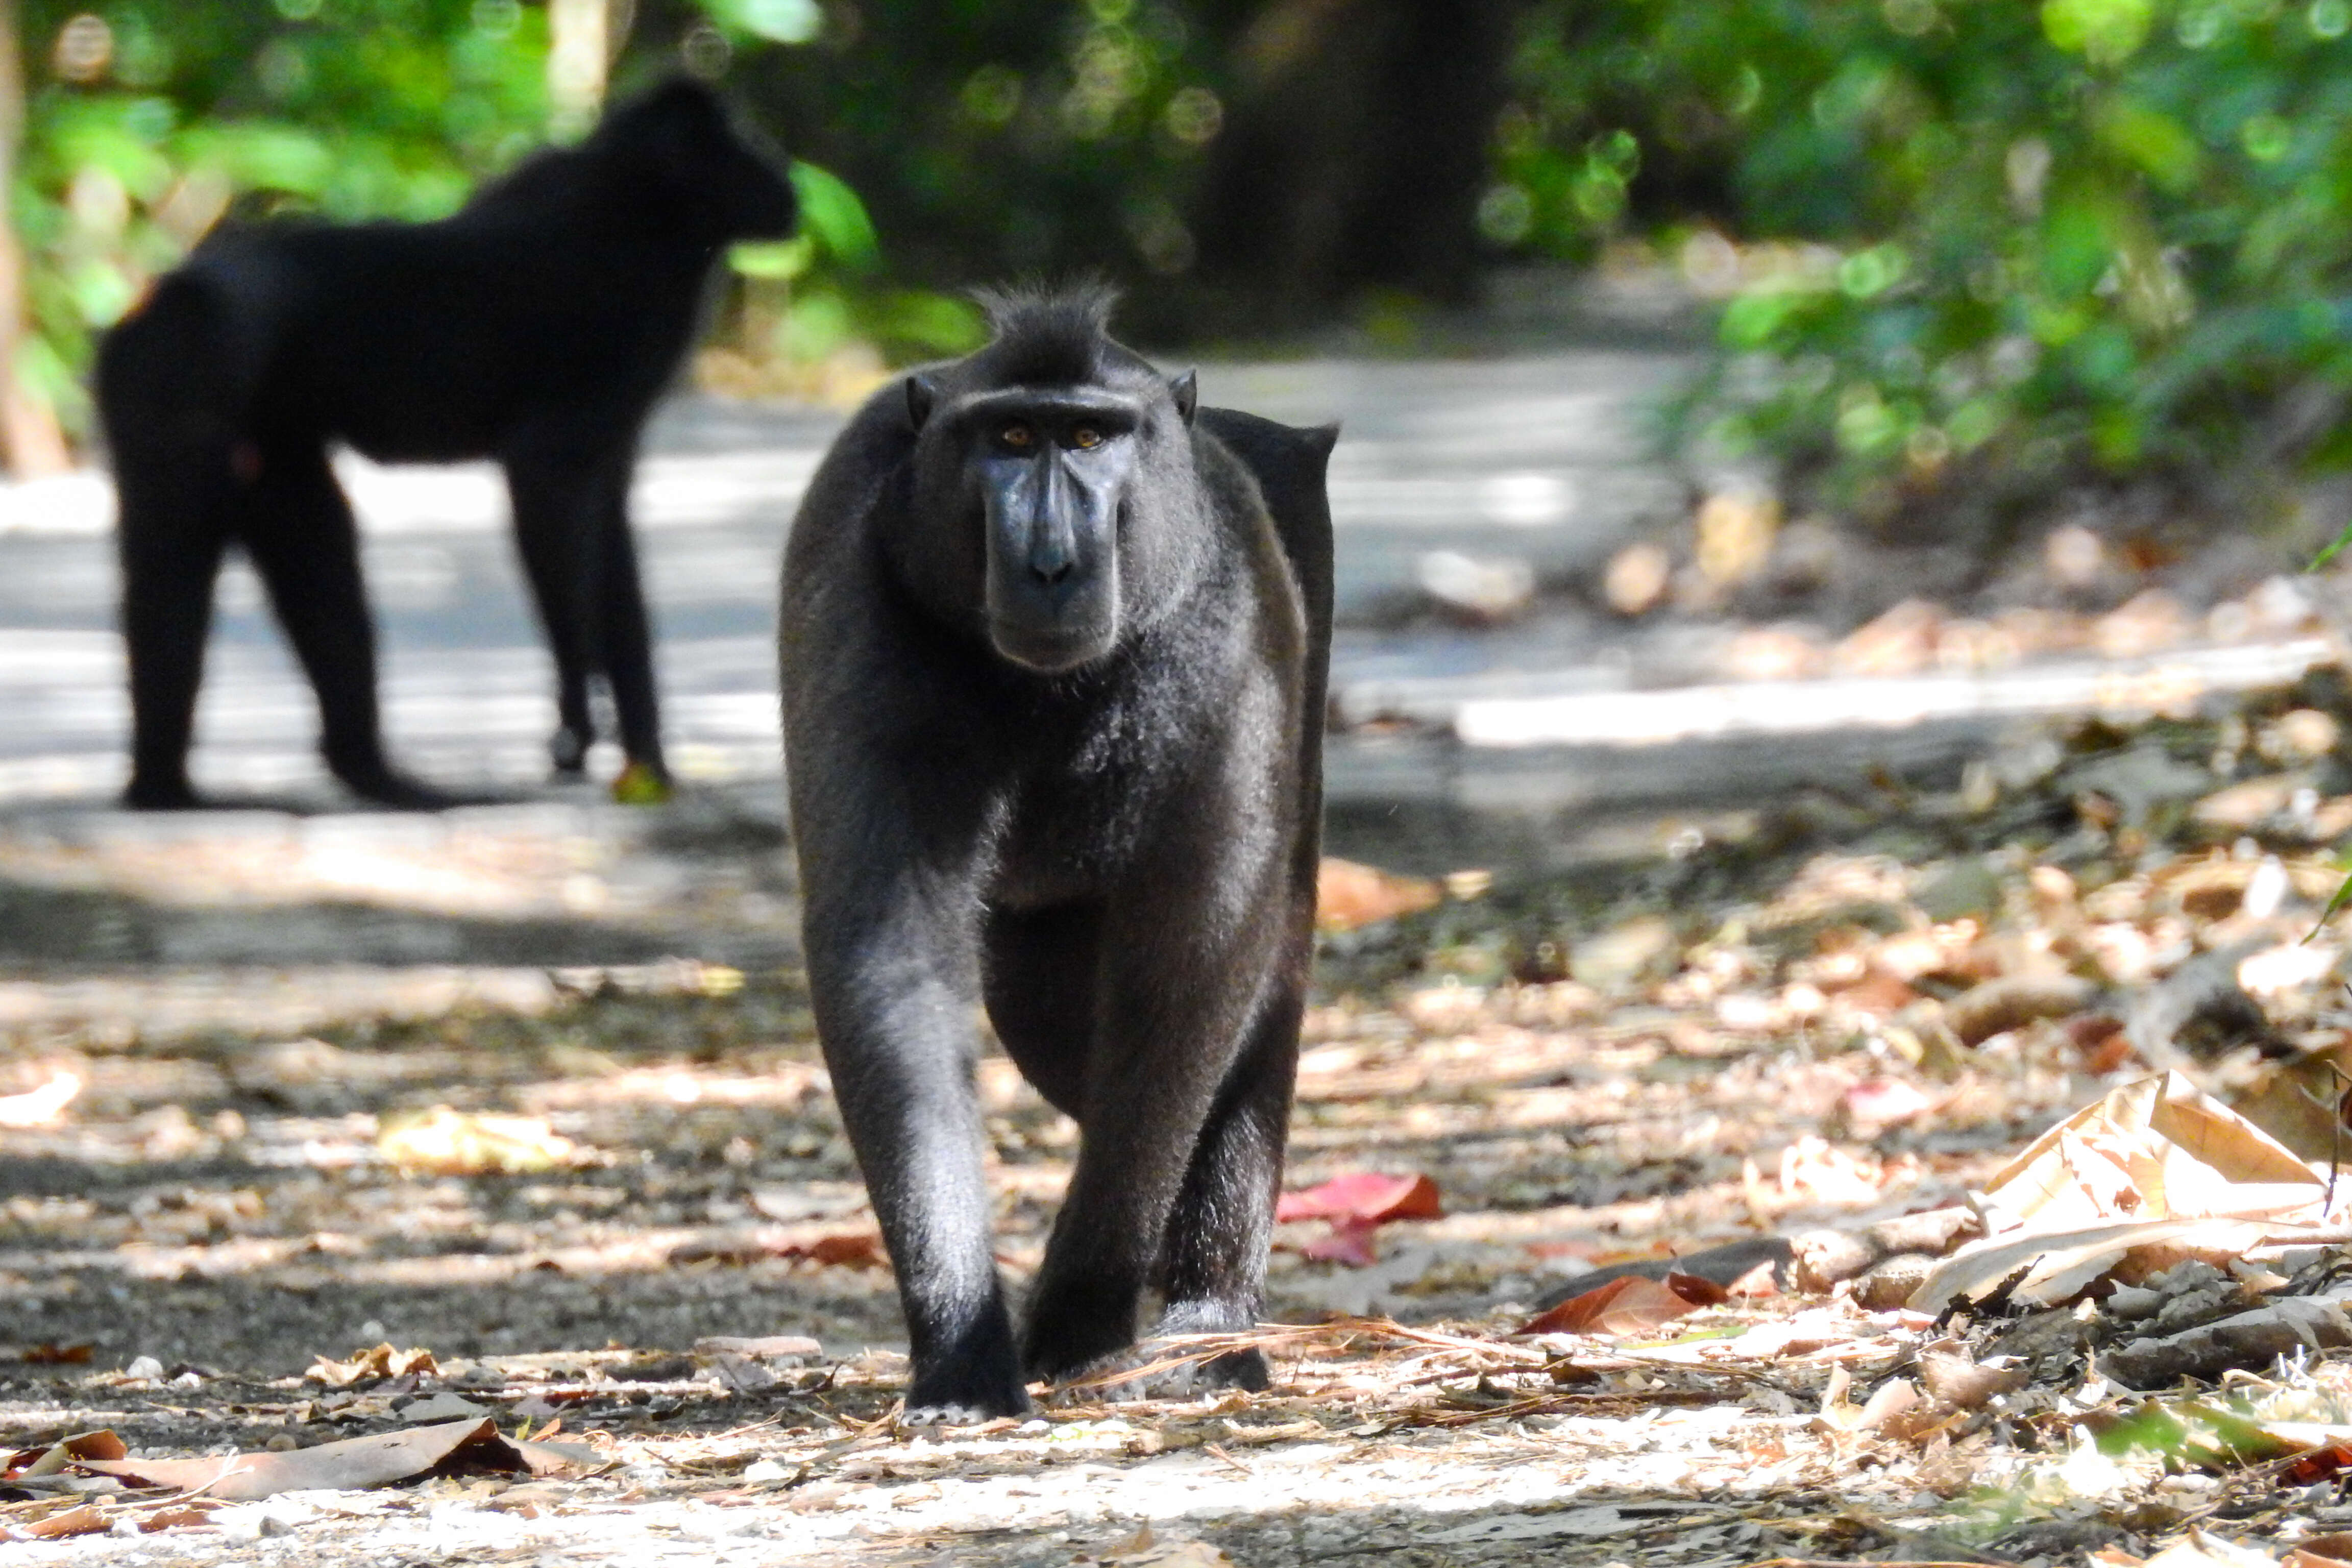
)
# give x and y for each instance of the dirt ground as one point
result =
(1726, 1043)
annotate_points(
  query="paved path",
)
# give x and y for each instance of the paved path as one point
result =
(1537, 456)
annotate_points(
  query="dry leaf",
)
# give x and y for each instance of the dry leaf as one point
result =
(42, 1107)
(1356, 1204)
(353, 1463)
(1364, 1197)
(1347, 895)
(1143, 1553)
(2156, 1170)
(83, 1520)
(382, 1362)
(850, 1249)
(1881, 1102)
(1959, 1384)
(765, 1345)
(100, 1445)
(444, 1141)
(2176, 1151)
(2333, 1550)
(2203, 1550)
(1627, 1305)
(1352, 1242)
(1813, 1171)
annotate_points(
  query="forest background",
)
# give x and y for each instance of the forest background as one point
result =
(1966, 250)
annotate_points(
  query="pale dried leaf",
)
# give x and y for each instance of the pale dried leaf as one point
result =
(42, 1107)
(449, 1142)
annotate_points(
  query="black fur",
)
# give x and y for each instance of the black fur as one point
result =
(536, 326)
(1089, 802)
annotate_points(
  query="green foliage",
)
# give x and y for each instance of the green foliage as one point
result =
(146, 122)
(2102, 235)
(1000, 137)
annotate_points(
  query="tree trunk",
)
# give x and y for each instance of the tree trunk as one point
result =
(1357, 149)
(584, 36)
(31, 443)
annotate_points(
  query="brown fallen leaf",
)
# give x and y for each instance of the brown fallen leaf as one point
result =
(1347, 895)
(199, 1511)
(83, 1520)
(849, 1249)
(1997, 1006)
(1891, 1409)
(355, 1463)
(2333, 1550)
(383, 1361)
(1957, 1382)
(1628, 1305)
(53, 1354)
(2175, 1150)
(47, 1461)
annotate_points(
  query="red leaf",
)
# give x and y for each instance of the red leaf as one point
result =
(853, 1249)
(1698, 1289)
(1364, 1196)
(1628, 1304)
(83, 1520)
(1354, 1242)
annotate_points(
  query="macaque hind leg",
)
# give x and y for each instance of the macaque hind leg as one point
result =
(1212, 1276)
(1175, 1006)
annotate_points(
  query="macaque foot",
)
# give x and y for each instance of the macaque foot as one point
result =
(642, 783)
(1153, 1378)
(161, 795)
(569, 753)
(385, 787)
(959, 1402)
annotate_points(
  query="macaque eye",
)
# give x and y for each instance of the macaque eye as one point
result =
(1085, 438)
(1017, 436)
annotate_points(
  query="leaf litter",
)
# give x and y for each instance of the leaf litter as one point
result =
(1918, 1179)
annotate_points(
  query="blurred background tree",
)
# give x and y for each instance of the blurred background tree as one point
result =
(1953, 248)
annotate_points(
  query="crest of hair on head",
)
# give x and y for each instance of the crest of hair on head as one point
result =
(1048, 336)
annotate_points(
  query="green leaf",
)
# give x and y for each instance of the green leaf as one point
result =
(2344, 891)
(832, 215)
(778, 21)
(2105, 31)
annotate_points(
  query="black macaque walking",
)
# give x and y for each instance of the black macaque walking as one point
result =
(536, 327)
(1054, 656)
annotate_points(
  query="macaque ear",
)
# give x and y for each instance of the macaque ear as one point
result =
(922, 393)
(1186, 390)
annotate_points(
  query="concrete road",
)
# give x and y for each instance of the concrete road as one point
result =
(1540, 458)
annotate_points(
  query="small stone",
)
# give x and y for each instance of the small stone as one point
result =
(2303, 735)
(1637, 579)
(1481, 592)
(1642, 948)
(2074, 555)
(1891, 1282)
(145, 1367)
(1961, 890)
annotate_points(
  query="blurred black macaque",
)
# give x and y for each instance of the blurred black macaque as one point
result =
(536, 327)
(1054, 651)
